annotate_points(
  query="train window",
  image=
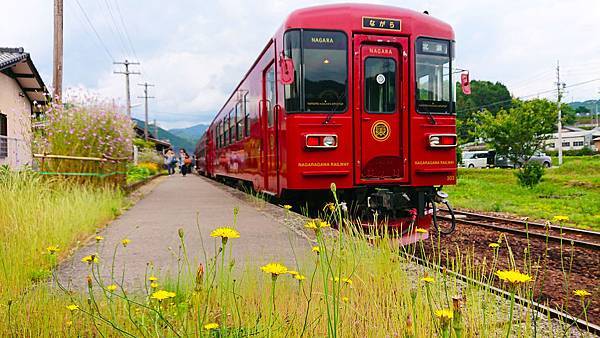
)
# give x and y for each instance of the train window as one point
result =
(292, 50)
(239, 127)
(320, 70)
(225, 130)
(231, 125)
(380, 85)
(270, 94)
(434, 76)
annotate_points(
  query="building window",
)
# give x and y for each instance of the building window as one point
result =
(3, 136)
(578, 144)
(566, 144)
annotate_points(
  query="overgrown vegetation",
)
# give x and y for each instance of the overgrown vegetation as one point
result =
(572, 190)
(350, 284)
(530, 174)
(40, 220)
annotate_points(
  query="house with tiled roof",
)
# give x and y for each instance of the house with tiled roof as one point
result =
(22, 93)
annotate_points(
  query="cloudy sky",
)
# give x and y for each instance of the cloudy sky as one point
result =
(196, 51)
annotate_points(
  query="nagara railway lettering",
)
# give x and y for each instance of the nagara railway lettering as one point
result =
(344, 94)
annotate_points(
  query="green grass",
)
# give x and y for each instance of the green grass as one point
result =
(572, 190)
(37, 212)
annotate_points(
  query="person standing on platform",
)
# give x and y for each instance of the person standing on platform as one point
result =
(184, 162)
(170, 161)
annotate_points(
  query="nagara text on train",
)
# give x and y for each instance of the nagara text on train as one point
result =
(355, 94)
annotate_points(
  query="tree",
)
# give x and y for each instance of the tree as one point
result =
(568, 115)
(518, 132)
(484, 95)
(582, 111)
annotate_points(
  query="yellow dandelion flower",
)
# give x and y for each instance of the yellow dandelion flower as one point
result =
(161, 295)
(72, 307)
(347, 281)
(153, 278)
(275, 269)
(513, 276)
(211, 326)
(90, 259)
(560, 218)
(293, 272)
(316, 224)
(444, 314)
(299, 277)
(421, 231)
(111, 288)
(69, 323)
(99, 238)
(154, 285)
(494, 245)
(316, 249)
(225, 232)
(329, 206)
(345, 299)
(428, 280)
(52, 249)
(581, 293)
(287, 207)
(125, 242)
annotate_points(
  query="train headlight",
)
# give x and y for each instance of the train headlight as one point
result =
(434, 141)
(329, 141)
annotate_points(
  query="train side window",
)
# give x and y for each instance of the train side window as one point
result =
(239, 127)
(380, 85)
(223, 132)
(217, 139)
(232, 137)
(246, 120)
(292, 50)
(270, 94)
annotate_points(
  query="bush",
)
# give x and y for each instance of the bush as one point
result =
(530, 174)
(585, 151)
(88, 129)
(150, 156)
(152, 167)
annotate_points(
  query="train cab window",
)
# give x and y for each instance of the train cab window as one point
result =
(321, 71)
(434, 76)
(270, 94)
(380, 85)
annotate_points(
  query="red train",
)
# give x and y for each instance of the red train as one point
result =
(360, 95)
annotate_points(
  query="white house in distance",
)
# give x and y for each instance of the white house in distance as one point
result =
(22, 91)
(574, 138)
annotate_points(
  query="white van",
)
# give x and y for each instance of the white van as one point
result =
(475, 159)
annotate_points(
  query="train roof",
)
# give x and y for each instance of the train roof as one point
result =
(412, 22)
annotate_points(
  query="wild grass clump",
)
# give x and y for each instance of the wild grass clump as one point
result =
(83, 127)
(40, 219)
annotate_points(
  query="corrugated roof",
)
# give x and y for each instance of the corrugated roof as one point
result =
(11, 56)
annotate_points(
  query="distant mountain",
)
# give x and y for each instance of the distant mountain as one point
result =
(192, 133)
(176, 141)
(589, 104)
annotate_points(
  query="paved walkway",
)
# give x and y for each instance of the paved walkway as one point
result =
(177, 203)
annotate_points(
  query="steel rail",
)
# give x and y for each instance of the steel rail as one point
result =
(563, 229)
(541, 308)
(558, 239)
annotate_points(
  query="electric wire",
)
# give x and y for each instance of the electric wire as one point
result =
(116, 30)
(95, 31)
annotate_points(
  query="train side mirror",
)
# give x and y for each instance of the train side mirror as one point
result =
(286, 70)
(465, 83)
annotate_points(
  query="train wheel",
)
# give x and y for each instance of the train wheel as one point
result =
(447, 227)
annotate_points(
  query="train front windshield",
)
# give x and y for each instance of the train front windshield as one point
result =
(434, 76)
(321, 71)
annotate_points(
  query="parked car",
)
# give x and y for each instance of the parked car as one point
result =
(475, 159)
(503, 161)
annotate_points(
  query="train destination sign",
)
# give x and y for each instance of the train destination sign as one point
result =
(381, 23)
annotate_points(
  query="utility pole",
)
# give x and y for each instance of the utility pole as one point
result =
(146, 97)
(57, 73)
(560, 86)
(127, 73)
(155, 130)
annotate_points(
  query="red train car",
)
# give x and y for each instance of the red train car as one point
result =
(360, 95)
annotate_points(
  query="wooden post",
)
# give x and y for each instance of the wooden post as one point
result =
(58, 50)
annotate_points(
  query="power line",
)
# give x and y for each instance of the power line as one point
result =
(116, 30)
(125, 30)
(525, 96)
(95, 31)
(146, 97)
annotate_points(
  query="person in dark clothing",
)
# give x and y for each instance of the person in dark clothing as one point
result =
(184, 162)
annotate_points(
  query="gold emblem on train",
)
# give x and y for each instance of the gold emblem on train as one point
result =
(380, 130)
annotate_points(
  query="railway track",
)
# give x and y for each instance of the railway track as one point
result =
(579, 237)
(541, 308)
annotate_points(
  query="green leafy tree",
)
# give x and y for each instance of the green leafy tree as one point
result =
(487, 95)
(568, 115)
(520, 131)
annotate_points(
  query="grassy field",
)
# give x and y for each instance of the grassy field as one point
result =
(37, 214)
(573, 190)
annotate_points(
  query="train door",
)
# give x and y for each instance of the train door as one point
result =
(269, 125)
(381, 91)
